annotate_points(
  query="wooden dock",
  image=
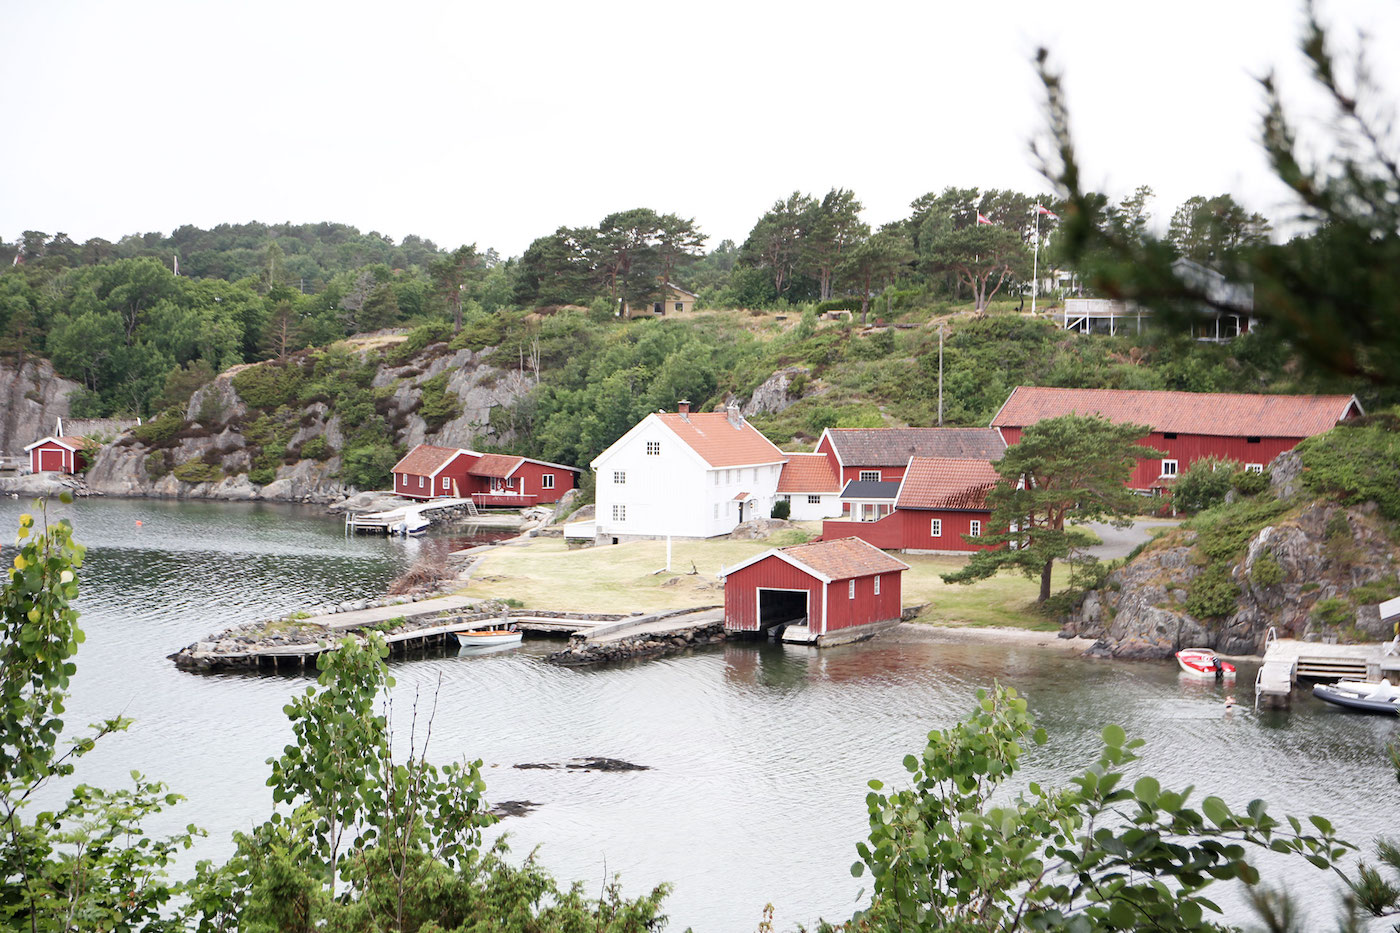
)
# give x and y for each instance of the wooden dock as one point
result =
(1288, 659)
(406, 518)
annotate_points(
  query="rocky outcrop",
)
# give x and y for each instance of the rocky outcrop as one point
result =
(32, 399)
(479, 387)
(1321, 552)
(780, 390)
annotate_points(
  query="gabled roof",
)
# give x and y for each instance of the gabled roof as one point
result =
(830, 561)
(942, 483)
(870, 489)
(719, 443)
(858, 447)
(676, 288)
(1217, 414)
(808, 473)
(497, 466)
(74, 442)
(426, 460)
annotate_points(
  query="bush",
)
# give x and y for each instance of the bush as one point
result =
(782, 509)
(197, 471)
(317, 448)
(1249, 484)
(1212, 594)
(1355, 464)
(159, 431)
(1334, 612)
(1377, 591)
(368, 466)
(157, 464)
(269, 386)
(1203, 484)
(1266, 571)
(438, 406)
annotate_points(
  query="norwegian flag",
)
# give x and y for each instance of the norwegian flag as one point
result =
(1042, 209)
(982, 218)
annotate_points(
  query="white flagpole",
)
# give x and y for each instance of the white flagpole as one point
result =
(1035, 262)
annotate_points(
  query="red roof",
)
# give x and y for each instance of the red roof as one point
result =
(844, 558)
(892, 447)
(809, 473)
(941, 483)
(73, 442)
(718, 442)
(498, 466)
(425, 460)
(1218, 414)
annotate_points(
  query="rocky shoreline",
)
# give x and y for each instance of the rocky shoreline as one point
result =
(638, 647)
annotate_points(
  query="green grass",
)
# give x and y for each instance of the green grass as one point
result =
(1006, 600)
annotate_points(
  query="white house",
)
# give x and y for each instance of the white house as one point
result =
(810, 487)
(687, 474)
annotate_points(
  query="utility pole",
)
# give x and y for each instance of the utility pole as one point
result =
(940, 374)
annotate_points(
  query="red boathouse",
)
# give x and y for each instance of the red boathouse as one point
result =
(430, 472)
(826, 593)
(57, 454)
(1186, 426)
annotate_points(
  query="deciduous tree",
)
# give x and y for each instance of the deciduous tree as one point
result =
(982, 256)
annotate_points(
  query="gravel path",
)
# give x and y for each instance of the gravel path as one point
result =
(1119, 542)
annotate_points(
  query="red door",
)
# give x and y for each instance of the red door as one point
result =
(51, 460)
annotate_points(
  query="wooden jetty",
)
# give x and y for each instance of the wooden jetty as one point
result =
(1287, 659)
(405, 519)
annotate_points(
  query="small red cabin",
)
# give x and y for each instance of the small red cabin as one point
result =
(57, 454)
(825, 593)
(430, 472)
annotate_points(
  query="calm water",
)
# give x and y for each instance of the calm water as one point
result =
(759, 755)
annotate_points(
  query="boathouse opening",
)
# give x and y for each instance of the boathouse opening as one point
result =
(780, 607)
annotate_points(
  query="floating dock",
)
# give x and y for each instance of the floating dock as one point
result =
(1286, 660)
(406, 519)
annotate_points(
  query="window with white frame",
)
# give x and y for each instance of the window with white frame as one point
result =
(547, 481)
(877, 584)
(814, 500)
(935, 528)
(851, 590)
(445, 482)
(869, 476)
(974, 528)
(1168, 467)
(715, 474)
(1254, 468)
(716, 510)
(619, 513)
(420, 482)
(619, 477)
(653, 448)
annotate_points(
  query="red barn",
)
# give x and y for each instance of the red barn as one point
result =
(826, 593)
(939, 500)
(881, 454)
(57, 454)
(429, 472)
(1186, 426)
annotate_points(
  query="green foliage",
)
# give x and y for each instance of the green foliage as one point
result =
(157, 463)
(269, 385)
(1203, 484)
(1100, 854)
(1334, 611)
(197, 471)
(1266, 570)
(1248, 483)
(1223, 533)
(161, 430)
(368, 466)
(1356, 464)
(1377, 591)
(1212, 593)
(782, 508)
(317, 448)
(439, 406)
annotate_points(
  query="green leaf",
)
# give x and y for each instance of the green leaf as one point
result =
(1114, 736)
(1215, 810)
(1146, 789)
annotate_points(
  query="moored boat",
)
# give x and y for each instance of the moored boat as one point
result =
(1381, 697)
(476, 638)
(1202, 662)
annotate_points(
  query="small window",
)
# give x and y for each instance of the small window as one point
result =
(619, 513)
(716, 510)
(974, 528)
(814, 500)
(715, 474)
(445, 481)
(1251, 440)
(619, 477)
(877, 585)
(851, 590)
(1169, 435)
(1168, 467)
(869, 476)
(1254, 468)
(679, 306)
(420, 482)
(547, 481)
(935, 528)
(653, 448)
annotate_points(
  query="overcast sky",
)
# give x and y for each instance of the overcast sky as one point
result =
(497, 123)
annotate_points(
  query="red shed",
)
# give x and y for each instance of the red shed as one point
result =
(826, 593)
(1186, 426)
(429, 472)
(57, 454)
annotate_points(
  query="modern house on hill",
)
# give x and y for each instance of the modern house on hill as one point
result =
(1187, 426)
(687, 474)
(673, 300)
(1227, 313)
(881, 454)
(430, 472)
(936, 502)
(825, 593)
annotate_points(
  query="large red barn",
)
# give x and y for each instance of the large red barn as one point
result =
(939, 501)
(430, 472)
(57, 454)
(1186, 426)
(826, 593)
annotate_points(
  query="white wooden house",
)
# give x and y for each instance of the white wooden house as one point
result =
(686, 474)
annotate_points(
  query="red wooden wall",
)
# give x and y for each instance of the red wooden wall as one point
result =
(53, 458)
(741, 592)
(842, 611)
(909, 528)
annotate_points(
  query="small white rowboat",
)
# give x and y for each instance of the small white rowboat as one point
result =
(477, 638)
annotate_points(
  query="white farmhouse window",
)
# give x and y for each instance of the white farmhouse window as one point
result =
(547, 481)
(814, 500)
(974, 528)
(1254, 468)
(653, 448)
(935, 528)
(716, 510)
(851, 590)
(445, 482)
(1168, 467)
(619, 513)
(715, 474)
(619, 477)
(869, 476)
(785, 498)
(877, 585)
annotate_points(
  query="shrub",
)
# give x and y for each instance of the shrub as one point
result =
(159, 431)
(368, 466)
(1334, 611)
(1203, 484)
(317, 448)
(1249, 484)
(1212, 594)
(1377, 591)
(262, 475)
(197, 471)
(268, 386)
(1355, 464)
(782, 509)
(439, 406)
(1266, 571)
(157, 464)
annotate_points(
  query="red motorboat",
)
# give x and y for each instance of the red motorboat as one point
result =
(1202, 662)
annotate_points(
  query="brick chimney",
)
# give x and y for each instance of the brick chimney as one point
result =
(735, 416)
(683, 407)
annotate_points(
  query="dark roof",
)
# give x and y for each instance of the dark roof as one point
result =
(937, 483)
(845, 558)
(892, 447)
(1218, 414)
(870, 489)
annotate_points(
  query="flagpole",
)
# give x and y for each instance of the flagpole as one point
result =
(1035, 263)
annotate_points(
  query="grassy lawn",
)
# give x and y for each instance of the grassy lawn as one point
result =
(545, 574)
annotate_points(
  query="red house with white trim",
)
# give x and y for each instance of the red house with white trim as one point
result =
(940, 499)
(430, 472)
(881, 454)
(1186, 426)
(826, 593)
(57, 454)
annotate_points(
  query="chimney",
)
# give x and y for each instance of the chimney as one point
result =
(735, 416)
(683, 407)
